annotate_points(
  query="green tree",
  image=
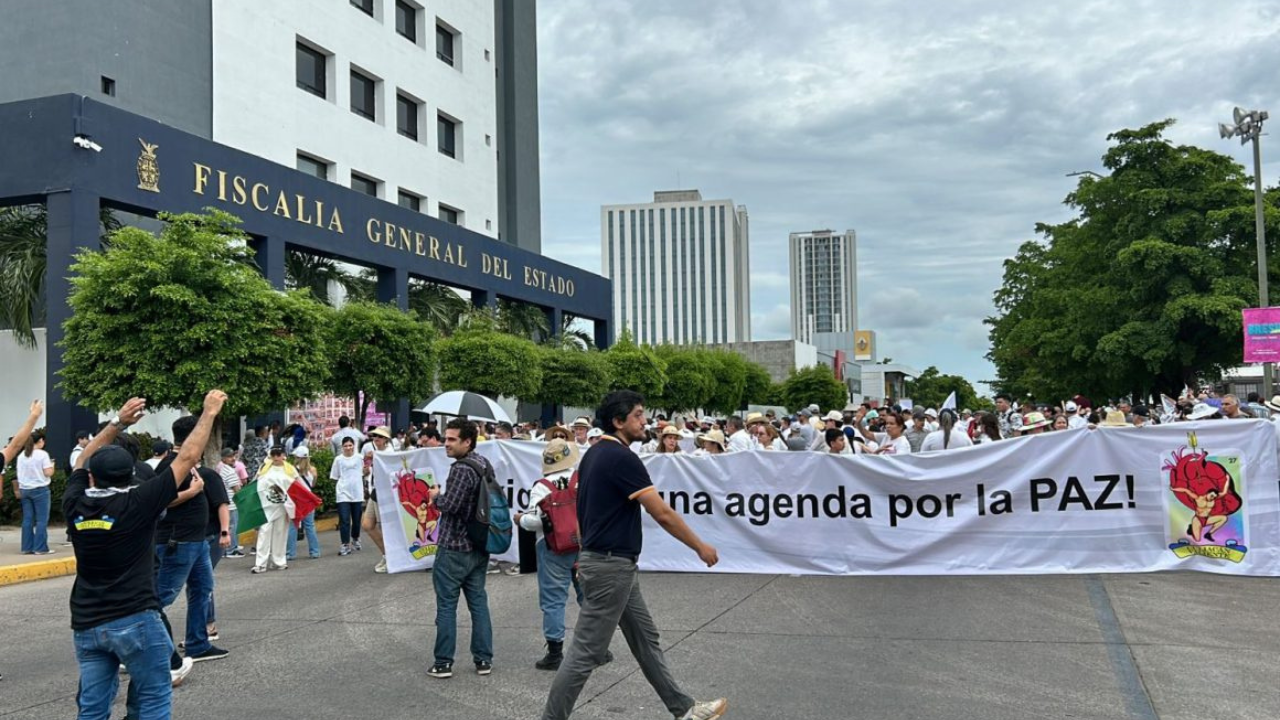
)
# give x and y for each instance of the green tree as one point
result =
(577, 378)
(1142, 291)
(931, 389)
(169, 317)
(381, 351)
(481, 359)
(729, 372)
(23, 259)
(313, 273)
(436, 304)
(690, 379)
(759, 388)
(817, 384)
(633, 367)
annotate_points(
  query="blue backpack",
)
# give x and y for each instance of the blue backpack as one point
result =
(490, 530)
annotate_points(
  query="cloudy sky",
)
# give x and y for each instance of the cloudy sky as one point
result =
(941, 132)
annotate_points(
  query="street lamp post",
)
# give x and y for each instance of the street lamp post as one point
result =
(1248, 126)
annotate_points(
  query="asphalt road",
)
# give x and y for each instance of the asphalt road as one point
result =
(330, 639)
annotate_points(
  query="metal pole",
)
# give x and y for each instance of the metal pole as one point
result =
(1262, 248)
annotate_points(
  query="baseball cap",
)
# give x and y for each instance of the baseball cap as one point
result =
(301, 452)
(112, 465)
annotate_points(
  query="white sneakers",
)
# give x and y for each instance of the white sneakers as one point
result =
(706, 710)
(177, 676)
(381, 567)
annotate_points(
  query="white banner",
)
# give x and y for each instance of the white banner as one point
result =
(1192, 496)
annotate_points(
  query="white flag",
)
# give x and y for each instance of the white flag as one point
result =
(950, 403)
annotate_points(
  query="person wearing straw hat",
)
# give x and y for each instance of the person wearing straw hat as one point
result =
(581, 426)
(711, 442)
(668, 441)
(1114, 419)
(1034, 423)
(558, 431)
(1203, 411)
(555, 570)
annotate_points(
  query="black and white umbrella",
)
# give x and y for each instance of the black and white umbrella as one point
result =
(460, 402)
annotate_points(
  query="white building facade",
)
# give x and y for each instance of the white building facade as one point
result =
(824, 284)
(680, 268)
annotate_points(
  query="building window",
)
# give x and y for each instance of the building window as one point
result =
(450, 215)
(366, 6)
(407, 20)
(362, 96)
(108, 86)
(407, 116)
(446, 136)
(311, 70)
(406, 199)
(444, 45)
(363, 184)
(313, 166)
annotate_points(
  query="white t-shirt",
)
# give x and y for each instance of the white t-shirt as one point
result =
(1075, 421)
(31, 469)
(230, 479)
(933, 441)
(901, 446)
(348, 473)
(740, 441)
(335, 442)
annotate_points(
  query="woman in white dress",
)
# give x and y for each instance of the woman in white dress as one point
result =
(274, 481)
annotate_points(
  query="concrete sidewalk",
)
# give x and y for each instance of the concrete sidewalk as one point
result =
(18, 568)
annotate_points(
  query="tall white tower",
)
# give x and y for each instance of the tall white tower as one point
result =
(824, 283)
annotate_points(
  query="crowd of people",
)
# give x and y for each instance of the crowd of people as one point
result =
(145, 531)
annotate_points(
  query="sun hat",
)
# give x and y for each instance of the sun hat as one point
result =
(581, 422)
(301, 452)
(381, 431)
(931, 413)
(1273, 404)
(714, 436)
(559, 454)
(558, 431)
(1200, 411)
(753, 418)
(834, 415)
(1033, 420)
(670, 430)
(1115, 418)
(594, 433)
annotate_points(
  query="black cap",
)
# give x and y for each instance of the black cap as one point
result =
(161, 446)
(1141, 410)
(112, 465)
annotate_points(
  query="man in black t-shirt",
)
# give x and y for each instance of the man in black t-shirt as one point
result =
(182, 546)
(613, 484)
(115, 612)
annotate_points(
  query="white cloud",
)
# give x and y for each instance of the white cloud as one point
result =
(942, 137)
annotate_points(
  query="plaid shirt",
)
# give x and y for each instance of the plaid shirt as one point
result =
(457, 503)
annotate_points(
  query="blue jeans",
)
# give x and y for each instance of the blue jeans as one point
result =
(188, 564)
(453, 572)
(235, 536)
(215, 556)
(313, 540)
(35, 520)
(555, 574)
(349, 520)
(140, 642)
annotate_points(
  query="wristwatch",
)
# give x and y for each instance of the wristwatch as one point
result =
(117, 423)
(224, 532)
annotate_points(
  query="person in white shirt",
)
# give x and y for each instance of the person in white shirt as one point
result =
(1074, 419)
(35, 468)
(710, 443)
(581, 426)
(932, 423)
(891, 441)
(347, 473)
(767, 437)
(274, 481)
(380, 441)
(82, 442)
(555, 570)
(947, 436)
(231, 480)
(345, 431)
(739, 439)
(159, 449)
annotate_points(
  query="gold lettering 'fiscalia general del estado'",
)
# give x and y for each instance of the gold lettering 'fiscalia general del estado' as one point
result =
(238, 190)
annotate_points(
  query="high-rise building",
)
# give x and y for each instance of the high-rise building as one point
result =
(432, 106)
(680, 268)
(824, 284)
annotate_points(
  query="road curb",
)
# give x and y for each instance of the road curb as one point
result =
(39, 570)
(64, 566)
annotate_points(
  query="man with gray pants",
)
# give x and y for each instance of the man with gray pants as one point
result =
(612, 486)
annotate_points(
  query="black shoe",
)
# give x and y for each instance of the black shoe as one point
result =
(608, 656)
(554, 656)
(441, 670)
(1208, 536)
(483, 667)
(213, 653)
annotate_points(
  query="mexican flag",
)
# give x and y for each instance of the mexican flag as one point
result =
(304, 501)
(249, 505)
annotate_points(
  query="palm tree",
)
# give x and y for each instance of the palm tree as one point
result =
(517, 318)
(573, 335)
(437, 304)
(23, 261)
(303, 271)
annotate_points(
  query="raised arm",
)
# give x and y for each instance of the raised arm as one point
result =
(131, 413)
(193, 448)
(24, 432)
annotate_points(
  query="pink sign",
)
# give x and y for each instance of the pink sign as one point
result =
(1261, 335)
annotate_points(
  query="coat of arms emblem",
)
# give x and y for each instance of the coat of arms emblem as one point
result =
(148, 168)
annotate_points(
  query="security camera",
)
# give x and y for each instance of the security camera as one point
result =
(83, 142)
